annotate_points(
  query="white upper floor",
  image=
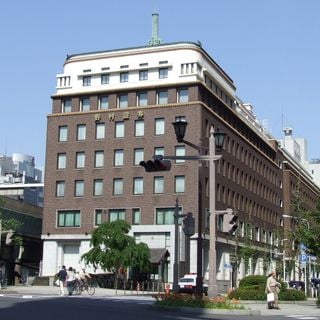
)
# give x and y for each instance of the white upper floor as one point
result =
(168, 64)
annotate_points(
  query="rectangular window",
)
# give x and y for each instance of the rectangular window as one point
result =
(143, 75)
(117, 186)
(98, 187)
(136, 216)
(163, 73)
(118, 158)
(138, 156)
(159, 126)
(97, 217)
(124, 76)
(163, 97)
(183, 95)
(119, 129)
(86, 81)
(63, 133)
(60, 189)
(180, 151)
(138, 185)
(99, 159)
(179, 184)
(104, 103)
(68, 218)
(80, 160)
(85, 104)
(139, 128)
(142, 99)
(117, 214)
(105, 78)
(158, 185)
(79, 188)
(159, 151)
(66, 105)
(62, 161)
(81, 132)
(123, 101)
(165, 215)
(100, 130)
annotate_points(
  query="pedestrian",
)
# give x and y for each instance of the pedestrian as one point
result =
(71, 279)
(273, 286)
(62, 277)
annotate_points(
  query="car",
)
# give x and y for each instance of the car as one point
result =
(298, 285)
(187, 284)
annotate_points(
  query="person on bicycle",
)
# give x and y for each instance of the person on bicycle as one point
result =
(84, 276)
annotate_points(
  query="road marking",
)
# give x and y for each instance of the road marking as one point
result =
(302, 317)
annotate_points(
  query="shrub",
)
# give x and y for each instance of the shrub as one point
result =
(186, 300)
(253, 281)
(41, 281)
(247, 294)
(253, 288)
(291, 295)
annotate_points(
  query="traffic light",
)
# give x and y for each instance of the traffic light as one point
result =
(230, 223)
(189, 225)
(9, 237)
(156, 165)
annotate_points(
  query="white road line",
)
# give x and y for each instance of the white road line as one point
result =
(302, 317)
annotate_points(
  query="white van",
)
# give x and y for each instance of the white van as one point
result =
(187, 284)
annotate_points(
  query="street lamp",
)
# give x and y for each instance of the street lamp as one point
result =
(216, 140)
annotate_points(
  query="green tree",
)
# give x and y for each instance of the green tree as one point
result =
(308, 230)
(112, 249)
(10, 224)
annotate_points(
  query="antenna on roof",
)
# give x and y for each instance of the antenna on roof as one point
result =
(155, 40)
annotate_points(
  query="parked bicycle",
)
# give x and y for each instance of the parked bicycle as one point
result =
(88, 286)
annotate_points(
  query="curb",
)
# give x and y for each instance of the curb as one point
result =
(242, 312)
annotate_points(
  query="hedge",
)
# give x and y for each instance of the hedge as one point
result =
(253, 288)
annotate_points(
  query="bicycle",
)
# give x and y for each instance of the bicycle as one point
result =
(88, 286)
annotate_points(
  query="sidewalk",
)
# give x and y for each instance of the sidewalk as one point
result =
(306, 308)
(53, 290)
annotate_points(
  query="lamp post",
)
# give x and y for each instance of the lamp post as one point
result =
(216, 140)
(284, 259)
(309, 265)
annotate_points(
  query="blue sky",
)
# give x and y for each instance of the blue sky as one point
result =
(270, 48)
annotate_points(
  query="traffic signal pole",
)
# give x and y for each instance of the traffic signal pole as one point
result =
(212, 157)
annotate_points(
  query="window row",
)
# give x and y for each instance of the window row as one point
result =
(256, 233)
(250, 160)
(72, 218)
(118, 186)
(122, 101)
(251, 207)
(247, 181)
(118, 157)
(123, 76)
(119, 130)
(163, 216)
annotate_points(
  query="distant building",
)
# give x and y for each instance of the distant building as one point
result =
(20, 168)
(298, 150)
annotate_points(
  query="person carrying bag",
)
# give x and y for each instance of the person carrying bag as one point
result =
(272, 291)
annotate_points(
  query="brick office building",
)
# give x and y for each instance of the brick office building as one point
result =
(113, 109)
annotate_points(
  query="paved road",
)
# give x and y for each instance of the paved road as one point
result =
(44, 303)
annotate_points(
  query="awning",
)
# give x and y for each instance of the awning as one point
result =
(158, 254)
